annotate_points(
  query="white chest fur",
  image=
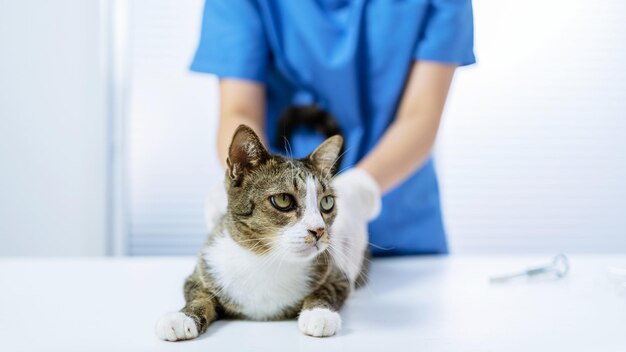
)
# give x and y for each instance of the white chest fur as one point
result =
(261, 286)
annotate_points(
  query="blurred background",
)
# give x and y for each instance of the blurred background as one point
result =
(107, 139)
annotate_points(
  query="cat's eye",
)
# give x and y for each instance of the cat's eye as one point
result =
(283, 202)
(327, 203)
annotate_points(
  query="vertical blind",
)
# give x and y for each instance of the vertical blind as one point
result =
(531, 153)
(171, 130)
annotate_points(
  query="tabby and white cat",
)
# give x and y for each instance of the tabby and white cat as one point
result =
(269, 256)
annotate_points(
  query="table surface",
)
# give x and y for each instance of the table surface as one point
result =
(412, 304)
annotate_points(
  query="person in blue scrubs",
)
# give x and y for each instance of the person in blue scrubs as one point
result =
(381, 68)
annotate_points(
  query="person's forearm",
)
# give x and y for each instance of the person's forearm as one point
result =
(402, 150)
(241, 103)
(407, 143)
(227, 126)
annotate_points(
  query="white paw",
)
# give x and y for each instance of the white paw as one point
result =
(176, 326)
(319, 322)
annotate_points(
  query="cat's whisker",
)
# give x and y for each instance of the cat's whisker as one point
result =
(261, 243)
(269, 245)
(256, 239)
(255, 246)
(352, 266)
(340, 171)
(357, 267)
(288, 147)
(292, 168)
(359, 270)
(343, 256)
(333, 251)
(369, 243)
(337, 252)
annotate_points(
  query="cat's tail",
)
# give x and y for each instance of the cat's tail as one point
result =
(310, 117)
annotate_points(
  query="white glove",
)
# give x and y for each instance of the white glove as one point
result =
(216, 203)
(358, 202)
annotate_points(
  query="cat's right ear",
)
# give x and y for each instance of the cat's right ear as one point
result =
(245, 153)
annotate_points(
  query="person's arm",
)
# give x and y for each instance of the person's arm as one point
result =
(407, 143)
(241, 102)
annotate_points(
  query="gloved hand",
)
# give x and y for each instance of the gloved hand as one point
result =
(358, 202)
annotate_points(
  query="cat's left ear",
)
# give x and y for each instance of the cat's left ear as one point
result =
(245, 153)
(325, 156)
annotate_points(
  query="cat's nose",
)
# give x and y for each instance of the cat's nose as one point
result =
(317, 233)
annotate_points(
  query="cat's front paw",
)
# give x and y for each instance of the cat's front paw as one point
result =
(319, 322)
(176, 326)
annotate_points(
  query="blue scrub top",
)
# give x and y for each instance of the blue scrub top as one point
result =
(351, 57)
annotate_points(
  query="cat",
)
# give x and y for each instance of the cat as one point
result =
(270, 257)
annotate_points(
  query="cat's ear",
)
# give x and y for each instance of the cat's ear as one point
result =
(245, 153)
(325, 156)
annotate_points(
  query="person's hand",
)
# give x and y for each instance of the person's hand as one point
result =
(358, 201)
(216, 203)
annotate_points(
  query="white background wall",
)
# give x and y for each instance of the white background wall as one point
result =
(532, 154)
(532, 151)
(172, 114)
(53, 128)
